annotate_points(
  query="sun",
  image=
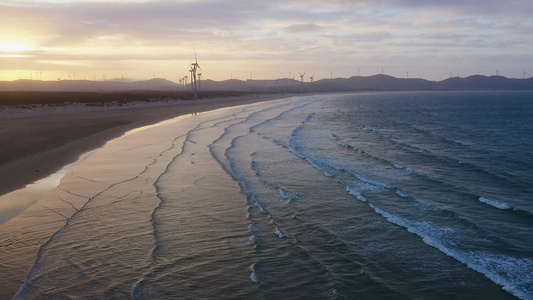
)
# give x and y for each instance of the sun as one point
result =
(10, 46)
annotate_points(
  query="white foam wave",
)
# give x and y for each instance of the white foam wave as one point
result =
(279, 233)
(286, 194)
(140, 291)
(261, 209)
(495, 203)
(402, 194)
(354, 192)
(254, 277)
(252, 229)
(368, 181)
(253, 239)
(328, 174)
(343, 144)
(398, 166)
(426, 206)
(513, 274)
(371, 130)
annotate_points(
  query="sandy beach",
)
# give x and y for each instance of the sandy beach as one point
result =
(36, 142)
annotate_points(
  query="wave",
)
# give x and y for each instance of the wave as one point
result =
(371, 182)
(373, 130)
(495, 203)
(361, 151)
(253, 229)
(326, 165)
(279, 233)
(513, 274)
(37, 268)
(355, 192)
(443, 158)
(398, 166)
(340, 141)
(269, 121)
(402, 194)
(254, 276)
(286, 194)
(498, 204)
(254, 239)
(261, 209)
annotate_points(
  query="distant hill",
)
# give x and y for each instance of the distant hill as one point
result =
(117, 85)
(357, 83)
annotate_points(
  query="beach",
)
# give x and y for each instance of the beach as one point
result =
(36, 142)
(40, 146)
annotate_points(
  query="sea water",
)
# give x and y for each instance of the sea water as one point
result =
(415, 195)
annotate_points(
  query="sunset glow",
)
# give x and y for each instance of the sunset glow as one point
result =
(264, 39)
(13, 47)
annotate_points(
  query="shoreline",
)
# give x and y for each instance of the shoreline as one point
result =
(38, 142)
(115, 179)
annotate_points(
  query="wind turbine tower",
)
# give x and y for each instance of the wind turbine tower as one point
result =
(301, 82)
(192, 82)
(312, 78)
(199, 81)
(194, 68)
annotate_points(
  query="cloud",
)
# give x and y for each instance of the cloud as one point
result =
(283, 32)
(303, 28)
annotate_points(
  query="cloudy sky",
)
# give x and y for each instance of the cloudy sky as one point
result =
(265, 39)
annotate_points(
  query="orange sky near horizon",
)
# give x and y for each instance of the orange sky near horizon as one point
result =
(93, 40)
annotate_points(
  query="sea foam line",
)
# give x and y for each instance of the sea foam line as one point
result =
(513, 274)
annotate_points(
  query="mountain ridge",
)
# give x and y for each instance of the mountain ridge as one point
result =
(378, 82)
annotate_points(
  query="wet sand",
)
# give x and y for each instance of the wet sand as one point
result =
(35, 143)
(62, 136)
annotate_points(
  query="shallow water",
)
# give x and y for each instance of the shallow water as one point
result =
(378, 195)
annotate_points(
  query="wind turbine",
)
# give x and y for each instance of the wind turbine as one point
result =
(312, 80)
(301, 82)
(194, 67)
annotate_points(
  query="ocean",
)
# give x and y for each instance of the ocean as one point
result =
(400, 195)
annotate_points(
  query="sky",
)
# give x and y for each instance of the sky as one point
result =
(266, 39)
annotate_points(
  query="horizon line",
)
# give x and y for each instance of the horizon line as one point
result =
(131, 80)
